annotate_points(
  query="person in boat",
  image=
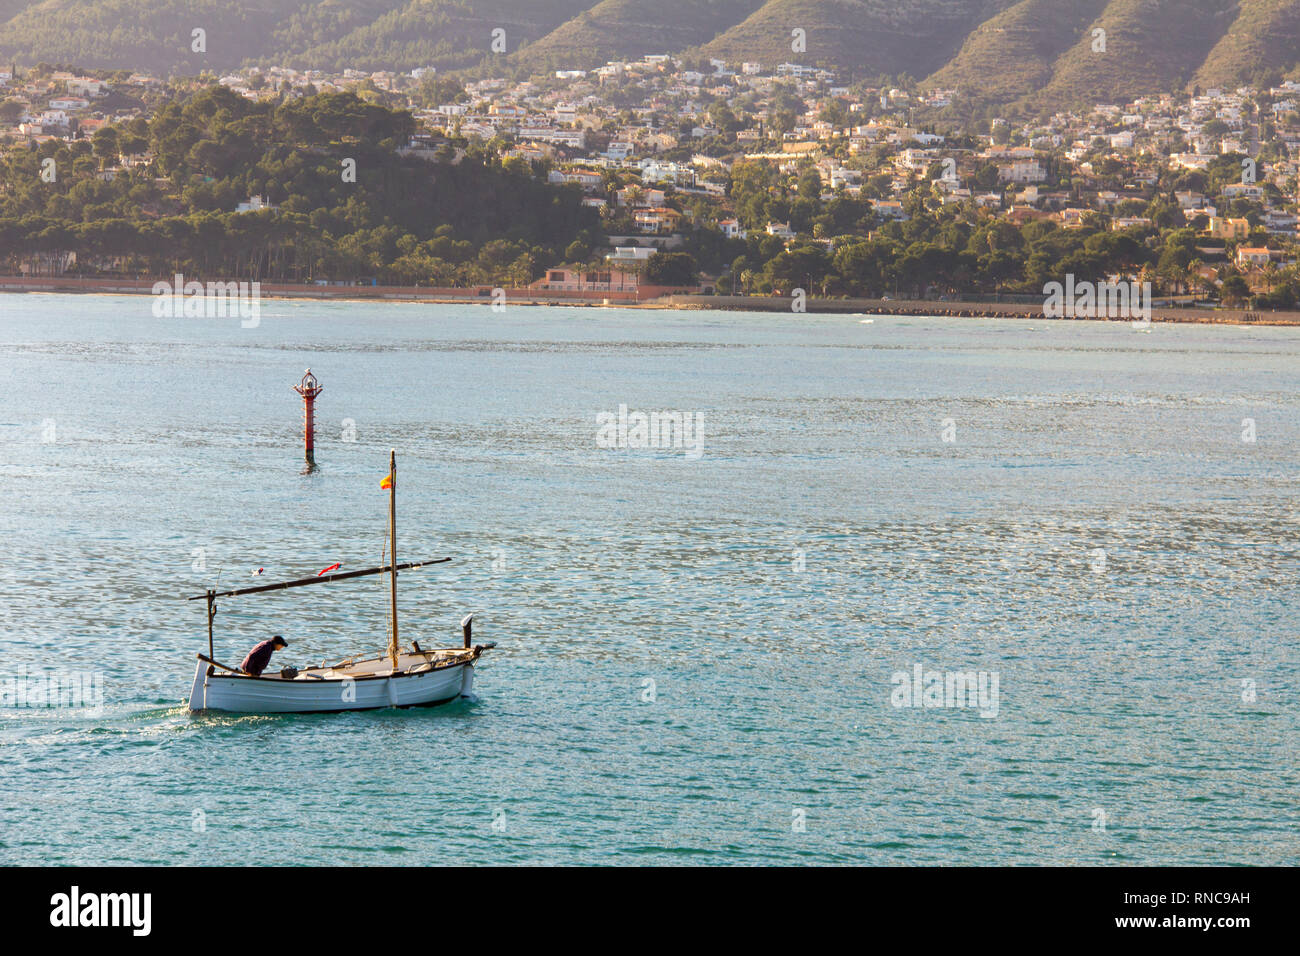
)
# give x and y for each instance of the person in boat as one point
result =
(260, 655)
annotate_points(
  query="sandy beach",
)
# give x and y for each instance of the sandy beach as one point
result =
(482, 295)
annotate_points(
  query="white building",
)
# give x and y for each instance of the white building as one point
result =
(576, 138)
(731, 229)
(1022, 171)
(653, 171)
(254, 204)
(631, 253)
(796, 70)
(1243, 191)
(581, 177)
(85, 86)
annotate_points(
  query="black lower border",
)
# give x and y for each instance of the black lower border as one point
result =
(944, 906)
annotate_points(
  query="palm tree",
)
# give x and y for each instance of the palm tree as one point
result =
(1194, 277)
(1272, 275)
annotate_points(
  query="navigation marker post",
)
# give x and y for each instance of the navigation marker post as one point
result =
(309, 388)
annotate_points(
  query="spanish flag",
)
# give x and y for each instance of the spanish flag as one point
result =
(387, 482)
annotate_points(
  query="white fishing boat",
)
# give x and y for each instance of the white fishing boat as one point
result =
(401, 678)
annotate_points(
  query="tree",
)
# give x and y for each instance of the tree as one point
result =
(803, 267)
(105, 143)
(670, 269)
(1234, 290)
(810, 185)
(402, 218)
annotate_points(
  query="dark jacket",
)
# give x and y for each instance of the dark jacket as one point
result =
(258, 658)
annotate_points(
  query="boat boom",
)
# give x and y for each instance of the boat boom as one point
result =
(324, 579)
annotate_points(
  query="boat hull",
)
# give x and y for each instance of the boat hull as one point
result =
(255, 695)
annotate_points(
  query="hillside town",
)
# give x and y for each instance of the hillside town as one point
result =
(703, 156)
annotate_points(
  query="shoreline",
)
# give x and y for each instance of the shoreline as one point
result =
(482, 295)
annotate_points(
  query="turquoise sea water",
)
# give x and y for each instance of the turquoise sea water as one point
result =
(695, 654)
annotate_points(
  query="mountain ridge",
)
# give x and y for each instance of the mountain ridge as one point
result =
(1024, 55)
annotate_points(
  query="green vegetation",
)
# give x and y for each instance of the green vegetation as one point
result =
(956, 249)
(458, 214)
(142, 34)
(1257, 48)
(446, 34)
(1012, 55)
(1152, 46)
(614, 29)
(670, 268)
(331, 34)
(404, 220)
(867, 36)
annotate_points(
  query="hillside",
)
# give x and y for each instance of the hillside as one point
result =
(1264, 40)
(1152, 46)
(318, 25)
(323, 34)
(404, 219)
(614, 29)
(142, 34)
(1012, 55)
(1025, 55)
(447, 34)
(869, 36)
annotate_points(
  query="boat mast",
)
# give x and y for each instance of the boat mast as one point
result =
(212, 612)
(392, 552)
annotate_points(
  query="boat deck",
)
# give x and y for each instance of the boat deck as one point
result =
(408, 663)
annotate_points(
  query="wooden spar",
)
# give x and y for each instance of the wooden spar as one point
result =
(341, 576)
(209, 660)
(392, 550)
(212, 611)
